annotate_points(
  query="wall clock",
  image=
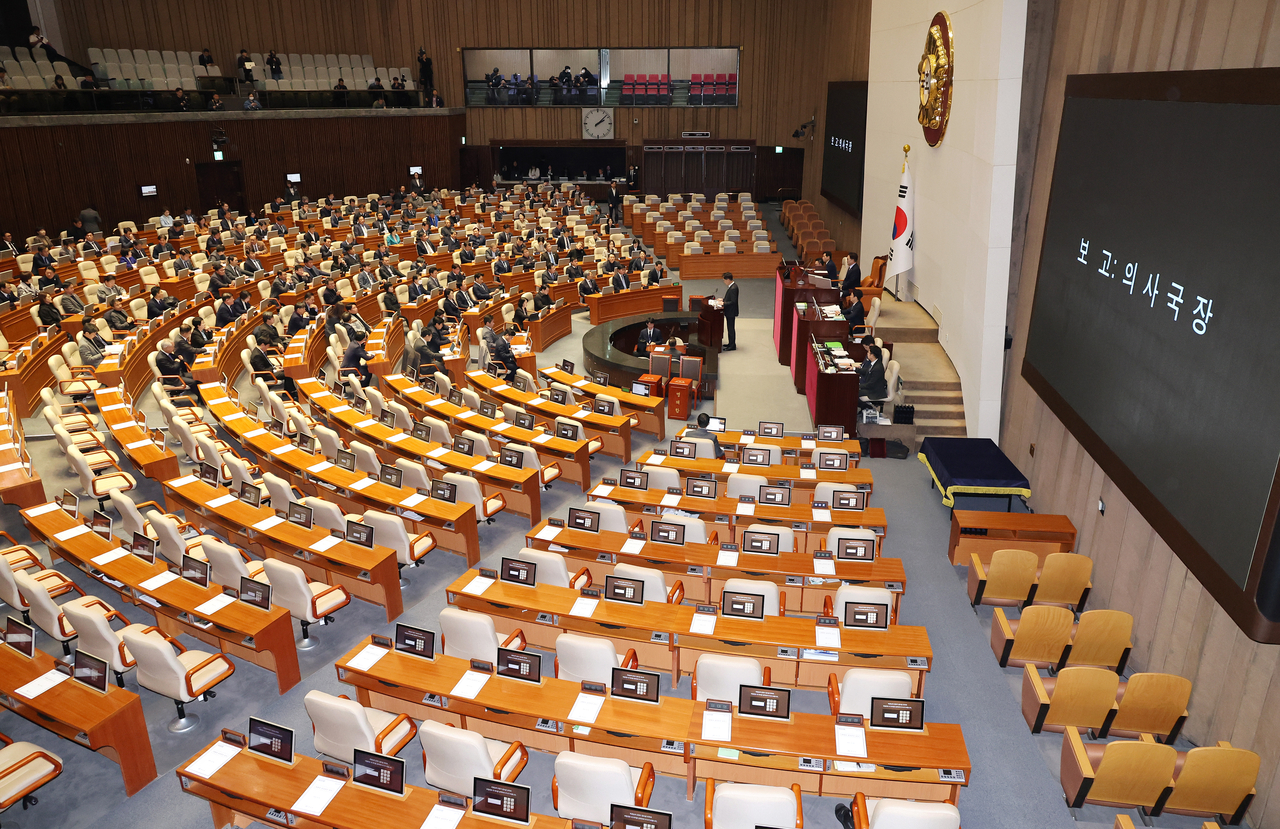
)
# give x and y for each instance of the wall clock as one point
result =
(937, 72)
(597, 122)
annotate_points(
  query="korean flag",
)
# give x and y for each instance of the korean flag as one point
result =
(901, 249)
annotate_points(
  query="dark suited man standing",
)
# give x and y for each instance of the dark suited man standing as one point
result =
(730, 307)
(615, 202)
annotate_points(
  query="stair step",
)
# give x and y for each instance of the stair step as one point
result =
(909, 385)
(895, 334)
(927, 396)
(941, 428)
(940, 411)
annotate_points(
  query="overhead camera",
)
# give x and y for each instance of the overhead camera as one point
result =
(799, 133)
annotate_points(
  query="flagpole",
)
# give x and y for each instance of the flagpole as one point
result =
(906, 150)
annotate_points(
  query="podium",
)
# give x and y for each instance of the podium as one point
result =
(679, 398)
(710, 323)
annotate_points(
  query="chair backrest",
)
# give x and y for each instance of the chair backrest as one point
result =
(329, 441)
(44, 610)
(94, 634)
(1214, 780)
(279, 490)
(1043, 631)
(415, 474)
(759, 587)
(663, 478)
(289, 589)
(786, 536)
(130, 517)
(226, 565)
(1011, 574)
(581, 658)
(859, 685)
(1152, 703)
(742, 804)
(1133, 772)
(695, 529)
(861, 594)
(389, 531)
(703, 447)
(366, 459)
(326, 514)
(1102, 638)
(158, 667)
(551, 567)
(169, 537)
(468, 635)
(588, 786)
(340, 725)
(468, 489)
(1082, 697)
(1063, 579)
(914, 814)
(453, 757)
(740, 483)
(719, 677)
(655, 583)
(836, 534)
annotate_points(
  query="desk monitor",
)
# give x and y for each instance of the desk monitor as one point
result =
(20, 637)
(444, 491)
(619, 589)
(763, 701)
(566, 366)
(299, 514)
(488, 409)
(567, 431)
(275, 742)
(518, 571)
(600, 378)
(89, 670)
(276, 425)
(666, 532)
(602, 407)
(831, 434)
(378, 771)
(101, 524)
(559, 396)
(584, 519)
(504, 801)
(251, 494)
(492, 370)
(770, 430)
(387, 418)
(463, 445)
(833, 460)
(255, 593)
(510, 457)
(346, 460)
(422, 431)
(742, 605)
(522, 665)
(634, 479)
(856, 549)
(641, 686)
(754, 541)
(700, 487)
(755, 457)
(195, 571)
(777, 495)
(897, 714)
(144, 547)
(866, 616)
(524, 420)
(70, 502)
(640, 388)
(849, 499)
(520, 383)
(429, 385)
(390, 474)
(415, 641)
(684, 449)
(361, 534)
(305, 442)
(455, 398)
(633, 817)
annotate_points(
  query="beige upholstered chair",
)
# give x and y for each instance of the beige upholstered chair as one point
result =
(342, 725)
(182, 675)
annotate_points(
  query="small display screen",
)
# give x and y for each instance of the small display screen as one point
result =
(640, 388)
(299, 514)
(101, 524)
(296, 178)
(833, 460)
(742, 605)
(255, 593)
(209, 474)
(567, 431)
(755, 457)
(637, 685)
(770, 430)
(516, 571)
(346, 460)
(415, 641)
(444, 491)
(904, 714)
(387, 418)
(856, 549)
(20, 637)
(429, 385)
(633, 817)
(582, 519)
(271, 740)
(378, 771)
(602, 407)
(759, 542)
(361, 534)
(391, 475)
(250, 494)
(422, 431)
(524, 420)
(666, 532)
(777, 495)
(716, 424)
(763, 701)
(147, 189)
(195, 571)
(831, 434)
(700, 487)
(634, 479)
(849, 499)
(511, 457)
(519, 665)
(89, 670)
(683, 449)
(600, 378)
(520, 384)
(463, 446)
(415, 171)
(144, 547)
(559, 397)
(305, 442)
(566, 366)
(487, 409)
(869, 616)
(455, 397)
(501, 800)
(619, 589)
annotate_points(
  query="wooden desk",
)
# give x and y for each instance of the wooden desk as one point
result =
(721, 470)
(605, 307)
(832, 397)
(263, 637)
(34, 374)
(983, 533)
(742, 265)
(794, 285)
(807, 322)
(20, 484)
(110, 723)
(155, 460)
(791, 445)
(558, 323)
(134, 374)
(651, 412)
(474, 317)
(542, 612)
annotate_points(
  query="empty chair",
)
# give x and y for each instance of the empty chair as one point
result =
(469, 491)
(594, 445)
(1101, 638)
(17, 592)
(227, 564)
(280, 492)
(775, 452)
(96, 637)
(1215, 782)
(98, 486)
(589, 658)
(655, 584)
(775, 602)
(719, 677)
(1076, 697)
(1040, 637)
(734, 805)
(586, 787)
(453, 757)
(183, 677)
(24, 767)
(854, 692)
(389, 531)
(171, 543)
(1153, 704)
(469, 635)
(1007, 581)
(366, 459)
(552, 570)
(1125, 773)
(695, 529)
(309, 602)
(327, 514)
(1064, 581)
(342, 725)
(131, 515)
(663, 478)
(740, 484)
(530, 459)
(901, 814)
(858, 594)
(835, 535)
(786, 536)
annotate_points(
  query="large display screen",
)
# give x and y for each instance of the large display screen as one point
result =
(845, 144)
(1152, 331)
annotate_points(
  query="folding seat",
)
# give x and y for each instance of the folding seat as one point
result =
(628, 88)
(1039, 637)
(721, 88)
(331, 61)
(110, 56)
(308, 62)
(651, 89)
(1151, 703)
(1063, 580)
(695, 89)
(95, 54)
(170, 56)
(1075, 698)
(1102, 638)
(664, 89)
(731, 88)
(294, 59)
(1007, 581)
(1214, 782)
(309, 73)
(141, 56)
(1126, 773)
(900, 814)
(155, 56)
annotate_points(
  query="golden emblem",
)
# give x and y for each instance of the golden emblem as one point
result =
(937, 68)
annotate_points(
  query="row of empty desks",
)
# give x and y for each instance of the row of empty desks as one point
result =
(650, 412)
(800, 446)
(632, 301)
(150, 456)
(668, 734)
(797, 476)
(973, 531)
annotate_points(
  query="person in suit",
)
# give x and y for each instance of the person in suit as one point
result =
(357, 357)
(260, 361)
(873, 385)
(311, 237)
(852, 277)
(301, 317)
(619, 281)
(502, 264)
(109, 288)
(729, 305)
(827, 266)
(251, 263)
(654, 272)
(611, 264)
(480, 290)
(416, 183)
(500, 352)
(8, 292)
(91, 247)
(389, 299)
(587, 285)
(549, 257)
(615, 202)
(467, 255)
(387, 272)
(282, 284)
(93, 347)
(184, 348)
(855, 314)
(366, 277)
(418, 289)
(199, 337)
(47, 277)
(159, 303)
(267, 335)
(174, 372)
(552, 276)
(163, 246)
(649, 335)
(48, 313)
(704, 420)
(9, 246)
(115, 317)
(219, 279)
(542, 299)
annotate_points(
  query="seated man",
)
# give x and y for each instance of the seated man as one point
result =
(701, 432)
(501, 353)
(259, 361)
(116, 318)
(174, 372)
(357, 357)
(871, 376)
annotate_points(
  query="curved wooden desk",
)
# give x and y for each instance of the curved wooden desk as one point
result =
(605, 307)
(798, 477)
(651, 412)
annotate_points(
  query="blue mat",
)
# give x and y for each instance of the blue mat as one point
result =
(973, 466)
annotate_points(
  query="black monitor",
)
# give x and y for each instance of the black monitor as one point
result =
(429, 384)
(209, 474)
(519, 571)
(496, 799)
(633, 817)
(275, 742)
(455, 398)
(511, 457)
(299, 514)
(255, 593)
(754, 541)
(566, 366)
(856, 549)
(346, 460)
(756, 457)
(764, 701)
(523, 665)
(305, 442)
(488, 409)
(387, 418)
(378, 771)
(831, 434)
(583, 519)
(559, 396)
(250, 494)
(700, 487)
(20, 637)
(101, 524)
(391, 475)
(520, 384)
(600, 378)
(444, 491)
(639, 388)
(195, 571)
(415, 641)
(144, 547)
(716, 424)
(742, 605)
(833, 460)
(422, 431)
(463, 445)
(566, 431)
(667, 532)
(361, 534)
(897, 714)
(360, 404)
(633, 479)
(849, 499)
(524, 420)
(620, 589)
(89, 670)
(777, 495)
(641, 686)
(873, 616)
(769, 429)
(602, 407)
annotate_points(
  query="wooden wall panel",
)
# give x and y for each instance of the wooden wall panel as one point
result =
(1177, 625)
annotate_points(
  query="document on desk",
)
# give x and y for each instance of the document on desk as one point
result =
(40, 684)
(501, 387)
(42, 509)
(469, 685)
(79, 529)
(255, 433)
(443, 817)
(670, 500)
(413, 500)
(542, 438)
(267, 523)
(548, 532)
(580, 414)
(283, 449)
(214, 605)
(586, 708)
(822, 515)
(727, 558)
(729, 467)
(745, 509)
(477, 586)
(367, 658)
(808, 474)
(397, 437)
(110, 556)
(633, 546)
(439, 451)
(808, 444)
(826, 637)
(483, 466)
(207, 764)
(365, 424)
(583, 607)
(703, 623)
(717, 726)
(497, 427)
(851, 741)
(138, 444)
(221, 501)
(656, 460)
(179, 483)
(340, 409)
(439, 401)
(116, 406)
(362, 483)
(602, 490)
(324, 543)
(577, 384)
(320, 467)
(318, 795)
(235, 416)
(824, 567)
(124, 424)
(156, 582)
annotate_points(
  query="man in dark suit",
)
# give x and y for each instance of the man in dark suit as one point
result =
(542, 299)
(365, 278)
(251, 264)
(162, 246)
(183, 347)
(159, 303)
(423, 245)
(500, 352)
(729, 305)
(311, 237)
(587, 285)
(649, 335)
(260, 362)
(174, 371)
(873, 385)
(852, 277)
(619, 281)
(356, 358)
(503, 264)
(549, 257)
(855, 313)
(615, 202)
(282, 284)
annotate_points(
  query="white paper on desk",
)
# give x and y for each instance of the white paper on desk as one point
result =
(602, 491)
(580, 414)
(822, 515)
(283, 449)
(483, 466)
(808, 444)
(178, 483)
(633, 545)
(747, 440)
(469, 685)
(413, 500)
(113, 407)
(439, 401)
(110, 556)
(717, 726)
(468, 414)
(124, 424)
(443, 817)
(214, 605)
(824, 567)
(138, 444)
(217, 401)
(670, 500)
(395, 377)
(267, 523)
(235, 416)
(501, 387)
(745, 509)
(9, 467)
(367, 658)
(851, 741)
(207, 764)
(325, 543)
(340, 409)
(80, 529)
(586, 708)
(40, 684)
(656, 460)
(808, 474)
(320, 467)
(703, 623)
(439, 451)
(114, 348)
(365, 424)
(583, 607)
(727, 558)
(477, 586)
(255, 433)
(580, 383)
(362, 483)
(42, 509)
(156, 582)
(729, 467)
(397, 437)
(221, 501)
(318, 795)
(542, 437)
(498, 427)
(548, 532)
(826, 637)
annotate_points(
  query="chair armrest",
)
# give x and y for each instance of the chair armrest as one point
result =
(315, 608)
(12, 543)
(976, 583)
(195, 692)
(795, 789)
(124, 656)
(85, 370)
(714, 538)
(553, 465)
(64, 626)
(676, 594)
(6, 739)
(426, 534)
(516, 748)
(629, 660)
(165, 636)
(782, 603)
(107, 610)
(496, 496)
(644, 787)
(711, 796)
(584, 572)
(1001, 636)
(517, 636)
(392, 726)
(767, 675)
(1035, 699)
(833, 693)
(1076, 770)
(40, 754)
(638, 526)
(861, 817)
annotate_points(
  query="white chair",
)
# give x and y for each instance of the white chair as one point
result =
(414, 475)
(183, 677)
(663, 479)
(719, 677)
(734, 805)
(469, 635)
(240, 472)
(342, 725)
(740, 484)
(24, 767)
(131, 515)
(590, 658)
(280, 492)
(819, 454)
(37, 597)
(655, 584)
(98, 638)
(695, 529)
(389, 531)
(853, 693)
(470, 492)
(586, 787)
(327, 514)
(452, 758)
(170, 541)
(309, 602)
(887, 813)
(100, 485)
(775, 452)
(227, 564)
(51, 581)
(594, 445)
(329, 442)
(775, 602)
(366, 459)
(858, 594)
(546, 474)
(786, 536)
(552, 570)
(702, 447)
(836, 534)
(74, 417)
